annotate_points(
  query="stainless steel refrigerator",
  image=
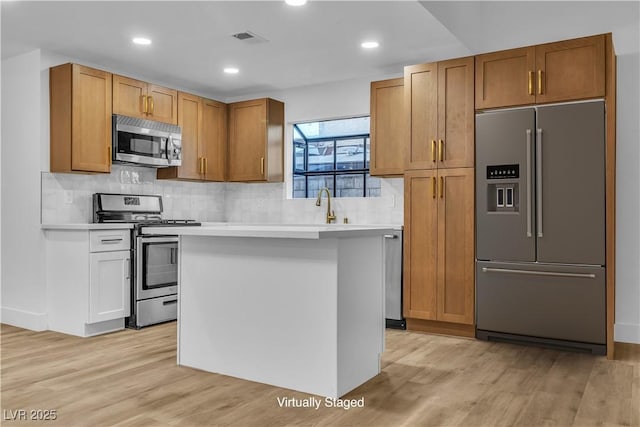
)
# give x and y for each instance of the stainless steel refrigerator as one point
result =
(540, 254)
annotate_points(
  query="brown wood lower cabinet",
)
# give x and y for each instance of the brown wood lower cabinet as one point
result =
(439, 250)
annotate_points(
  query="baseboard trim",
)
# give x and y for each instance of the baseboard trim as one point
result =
(442, 328)
(24, 319)
(627, 332)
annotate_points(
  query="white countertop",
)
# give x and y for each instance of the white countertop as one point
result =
(91, 226)
(281, 231)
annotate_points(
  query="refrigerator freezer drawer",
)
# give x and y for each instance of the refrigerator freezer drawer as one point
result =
(544, 301)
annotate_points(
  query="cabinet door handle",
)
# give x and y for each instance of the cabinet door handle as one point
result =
(111, 241)
(200, 165)
(530, 83)
(433, 150)
(433, 187)
(145, 104)
(127, 271)
(540, 75)
(441, 150)
(261, 165)
(441, 187)
(206, 164)
(151, 105)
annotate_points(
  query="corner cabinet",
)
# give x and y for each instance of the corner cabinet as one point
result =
(135, 98)
(80, 119)
(439, 108)
(204, 140)
(552, 72)
(439, 251)
(256, 141)
(91, 294)
(388, 136)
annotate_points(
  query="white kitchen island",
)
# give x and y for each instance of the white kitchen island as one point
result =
(299, 307)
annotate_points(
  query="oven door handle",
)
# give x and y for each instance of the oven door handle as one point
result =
(158, 239)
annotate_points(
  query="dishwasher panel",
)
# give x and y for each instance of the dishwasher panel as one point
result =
(393, 280)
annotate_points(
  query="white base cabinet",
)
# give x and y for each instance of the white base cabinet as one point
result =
(109, 296)
(88, 280)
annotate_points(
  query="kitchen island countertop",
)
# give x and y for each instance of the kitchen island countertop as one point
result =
(283, 231)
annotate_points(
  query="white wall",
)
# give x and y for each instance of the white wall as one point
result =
(273, 203)
(23, 284)
(627, 327)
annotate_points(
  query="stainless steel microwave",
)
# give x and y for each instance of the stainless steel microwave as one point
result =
(146, 142)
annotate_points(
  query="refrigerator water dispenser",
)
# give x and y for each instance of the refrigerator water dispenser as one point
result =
(503, 188)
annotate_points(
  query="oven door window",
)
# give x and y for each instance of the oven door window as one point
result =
(142, 145)
(160, 265)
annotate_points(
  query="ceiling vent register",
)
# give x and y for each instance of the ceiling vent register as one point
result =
(249, 37)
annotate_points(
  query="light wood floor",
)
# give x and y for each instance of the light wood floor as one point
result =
(130, 378)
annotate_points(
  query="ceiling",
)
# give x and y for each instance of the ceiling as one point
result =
(313, 44)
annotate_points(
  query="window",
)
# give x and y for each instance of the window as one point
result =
(333, 154)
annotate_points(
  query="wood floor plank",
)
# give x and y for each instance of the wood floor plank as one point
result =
(608, 395)
(130, 378)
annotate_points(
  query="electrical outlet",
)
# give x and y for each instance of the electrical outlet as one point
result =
(68, 197)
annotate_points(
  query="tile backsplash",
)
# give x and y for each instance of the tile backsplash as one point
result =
(67, 199)
(266, 203)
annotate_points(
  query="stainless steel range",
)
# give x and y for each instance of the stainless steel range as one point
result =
(154, 286)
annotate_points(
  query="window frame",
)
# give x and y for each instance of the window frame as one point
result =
(334, 172)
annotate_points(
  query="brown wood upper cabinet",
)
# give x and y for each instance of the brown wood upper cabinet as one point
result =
(439, 108)
(552, 72)
(204, 140)
(256, 140)
(80, 119)
(135, 98)
(439, 245)
(388, 144)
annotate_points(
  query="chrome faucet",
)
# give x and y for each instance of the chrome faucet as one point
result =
(331, 216)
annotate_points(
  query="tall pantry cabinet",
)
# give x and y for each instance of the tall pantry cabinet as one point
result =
(439, 197)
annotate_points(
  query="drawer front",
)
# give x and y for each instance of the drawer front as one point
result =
(156, 310)
(543, 301)
(109, 240)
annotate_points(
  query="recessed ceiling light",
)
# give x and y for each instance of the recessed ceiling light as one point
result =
(142, 41)
(370, 45)
(295, 2)
(231, 70)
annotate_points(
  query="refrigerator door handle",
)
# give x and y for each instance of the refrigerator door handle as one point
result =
(528, 183)
(539, 181)
(538, 273)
